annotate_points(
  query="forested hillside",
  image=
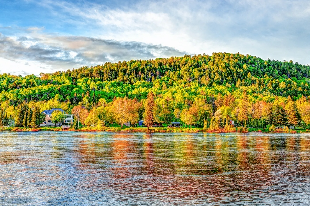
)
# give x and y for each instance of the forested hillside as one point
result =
(201, 90)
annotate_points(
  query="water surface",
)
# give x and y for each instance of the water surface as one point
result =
(69, 168)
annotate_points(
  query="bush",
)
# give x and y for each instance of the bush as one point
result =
(272, 128)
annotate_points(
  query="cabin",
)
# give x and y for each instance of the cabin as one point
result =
(175, 124)
(48, 114)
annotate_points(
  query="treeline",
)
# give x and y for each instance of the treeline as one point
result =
(201, 90)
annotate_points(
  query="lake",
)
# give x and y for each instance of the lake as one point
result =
(71, 168)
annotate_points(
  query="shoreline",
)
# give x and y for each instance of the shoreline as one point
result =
(152, 130)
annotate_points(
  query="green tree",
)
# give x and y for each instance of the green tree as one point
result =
(57, 117)
(36, 118)
(33, 122)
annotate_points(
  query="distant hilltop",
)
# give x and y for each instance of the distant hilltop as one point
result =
(233, 71)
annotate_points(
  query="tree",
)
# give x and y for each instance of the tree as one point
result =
(105, 113)
(92, 118)
(1, 117)
(26, 115)
(304, 110)
(266, 112)
(278, 115)
(223, 114)
(19, 117)
(163, 111)
(257, 113)
(149, 110)
(36, 118)
(80, 113)
(204, 111)
(190, 116)
(126, 110)
(33, 122)
(57, 117)
(243, 110)
(291, 112)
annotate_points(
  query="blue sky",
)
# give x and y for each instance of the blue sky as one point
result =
(52, 35)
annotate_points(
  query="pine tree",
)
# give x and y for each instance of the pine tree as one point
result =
(149, 110)
(25, 117)
(20, 117)
(33, 122)
(39, 117)
(29, 117)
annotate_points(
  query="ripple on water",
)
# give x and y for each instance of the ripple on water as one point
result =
(69, 168)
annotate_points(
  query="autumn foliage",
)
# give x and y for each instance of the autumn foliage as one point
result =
(214, 92)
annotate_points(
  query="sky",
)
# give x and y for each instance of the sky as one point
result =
(56, 35)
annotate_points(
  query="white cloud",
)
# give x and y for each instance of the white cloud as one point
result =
(55, 52)
(278, 29)
(23, 67)
(261, 28)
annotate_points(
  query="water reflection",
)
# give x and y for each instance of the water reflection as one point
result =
(187, 169)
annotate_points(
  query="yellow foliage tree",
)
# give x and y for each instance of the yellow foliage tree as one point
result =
(126, 110)
(291, 112)
(149, 110)
(242, 110)
(81, 113)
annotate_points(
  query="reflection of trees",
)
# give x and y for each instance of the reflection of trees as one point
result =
(305, 147)
(87, 150)
(120, 147)
(242, 156)
(262, 167)
(148, 153)
(93, 150)
(183, 165)
(223, 158)
(262, 148)
(291, 154)
(183, 150)
(304, 166)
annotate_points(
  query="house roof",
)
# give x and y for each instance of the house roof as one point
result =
(49, 112)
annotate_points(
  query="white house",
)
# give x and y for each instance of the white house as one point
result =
(48, 114)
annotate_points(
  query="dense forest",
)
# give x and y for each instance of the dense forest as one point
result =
(219, 91)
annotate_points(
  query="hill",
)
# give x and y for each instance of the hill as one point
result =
(201, 90)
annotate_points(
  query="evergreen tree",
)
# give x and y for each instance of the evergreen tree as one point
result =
(33, 122)
(20, 117)
(29, 117)
(40, 117)
(26, 115)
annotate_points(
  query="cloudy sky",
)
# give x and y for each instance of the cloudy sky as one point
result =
(52, 35)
